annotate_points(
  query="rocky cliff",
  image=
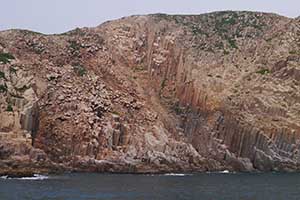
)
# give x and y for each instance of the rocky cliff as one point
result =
(154, 93)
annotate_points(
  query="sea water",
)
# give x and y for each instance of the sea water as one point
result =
(205, 186)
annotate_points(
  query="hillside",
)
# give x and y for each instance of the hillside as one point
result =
(155, 93)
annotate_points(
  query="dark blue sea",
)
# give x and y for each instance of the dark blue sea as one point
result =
(207, 186)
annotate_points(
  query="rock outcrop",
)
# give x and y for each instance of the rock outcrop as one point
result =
(154, 93)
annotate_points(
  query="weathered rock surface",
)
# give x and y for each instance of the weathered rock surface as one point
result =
(154, 93)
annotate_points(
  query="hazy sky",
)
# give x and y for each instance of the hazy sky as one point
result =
(56, 16)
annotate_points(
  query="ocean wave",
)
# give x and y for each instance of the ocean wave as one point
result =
(175, 174)
(3, 177)
(169, 174)
(34, 177)
(224, 172)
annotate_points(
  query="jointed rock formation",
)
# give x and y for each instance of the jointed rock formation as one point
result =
(153, 93)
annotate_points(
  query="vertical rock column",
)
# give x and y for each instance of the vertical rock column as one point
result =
(30, 119)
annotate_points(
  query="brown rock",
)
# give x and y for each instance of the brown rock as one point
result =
(154, 93)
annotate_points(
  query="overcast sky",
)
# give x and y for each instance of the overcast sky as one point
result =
(57, 16)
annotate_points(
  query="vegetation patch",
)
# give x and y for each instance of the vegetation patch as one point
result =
(6, 58)
(253, 21)
(226, 52)
(219, 45)
(224, 20)
(27, 32)
(294, 52)
(9, 108)
(263, 71)
(161, 16)
(139, 68)
(163, 83)
(178, 109)
(232, 43)
(74, 45)
(74, 32)
(115, 112)
(79, 70)
(2, 75)
(3, 88)
(231, 20)
(199, 31)
(256, 23)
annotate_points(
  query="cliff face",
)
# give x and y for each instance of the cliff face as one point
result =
(152, 94)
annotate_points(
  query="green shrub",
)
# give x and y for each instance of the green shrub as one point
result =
(257, 26)
(163, 83)
(229, 21)
(199, 31)
(219, 45)
(6, 57)
(178, 109)
(263, 71)
(294, 52)
(139, 68)
(115, 112)
(74, 45)
(226, 52)
(161, 16)
(232, 43)
(9, 108)
(79, 70)
(2, 75)
(3, 88)
(27, 32)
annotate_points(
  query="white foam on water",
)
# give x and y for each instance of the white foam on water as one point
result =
(169, 174)
(222, 172)
(175, 174)
(34, 177)
(225, 172)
